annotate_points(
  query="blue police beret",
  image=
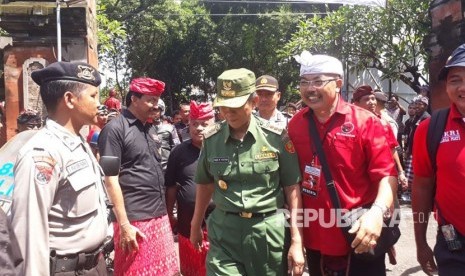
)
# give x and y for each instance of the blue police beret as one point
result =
(73, 71)
(457, 59)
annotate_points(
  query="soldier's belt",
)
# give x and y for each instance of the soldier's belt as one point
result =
(252, 215)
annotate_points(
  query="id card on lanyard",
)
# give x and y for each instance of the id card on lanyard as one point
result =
(311, 178)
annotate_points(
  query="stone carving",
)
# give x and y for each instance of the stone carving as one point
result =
(32, 99)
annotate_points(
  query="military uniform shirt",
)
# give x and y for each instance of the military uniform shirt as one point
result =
(254, 170)
(58, 200)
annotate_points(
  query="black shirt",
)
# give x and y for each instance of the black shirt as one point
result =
(411, 126)
(182, 164)
(141, 176)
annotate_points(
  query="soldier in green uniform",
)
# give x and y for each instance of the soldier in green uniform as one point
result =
(249, 167)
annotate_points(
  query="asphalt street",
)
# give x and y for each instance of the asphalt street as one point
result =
(405, 248)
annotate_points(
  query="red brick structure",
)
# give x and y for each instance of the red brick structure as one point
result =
(447, 33)
(32, 43)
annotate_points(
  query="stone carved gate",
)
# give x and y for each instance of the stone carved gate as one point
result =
(31, 95)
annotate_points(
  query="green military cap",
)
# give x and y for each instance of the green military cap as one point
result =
(234, 87)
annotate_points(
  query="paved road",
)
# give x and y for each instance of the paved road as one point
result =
(406, 253)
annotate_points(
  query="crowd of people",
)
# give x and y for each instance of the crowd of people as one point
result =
(248, 189)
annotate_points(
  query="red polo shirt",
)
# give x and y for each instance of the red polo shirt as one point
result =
(359, 157)
(450, 160)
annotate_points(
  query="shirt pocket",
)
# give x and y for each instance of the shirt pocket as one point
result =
(220, 170)
(267, 171)
(346, 153)
(81, 196)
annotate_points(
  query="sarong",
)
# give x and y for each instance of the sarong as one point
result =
(156, 255)
(192, 261)
(409, 170)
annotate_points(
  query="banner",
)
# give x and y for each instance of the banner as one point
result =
(374, 3)
(7, 160)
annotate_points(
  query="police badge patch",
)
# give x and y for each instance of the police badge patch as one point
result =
(43, 169)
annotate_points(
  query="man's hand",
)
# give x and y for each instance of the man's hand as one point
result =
(128, 238)
(295, 259)
(368, 228)
(426, 259)
(196, 237)
(173, 222)
(403, 181)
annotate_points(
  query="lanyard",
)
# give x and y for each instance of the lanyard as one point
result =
(332, 121)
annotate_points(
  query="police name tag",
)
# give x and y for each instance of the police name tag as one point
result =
(77, 166)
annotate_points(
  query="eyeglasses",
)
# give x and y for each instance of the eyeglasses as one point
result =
(314, 83)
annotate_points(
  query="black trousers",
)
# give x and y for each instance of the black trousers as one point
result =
(357, 267)
(450, 263)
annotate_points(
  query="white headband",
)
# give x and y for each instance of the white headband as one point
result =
(319, 64)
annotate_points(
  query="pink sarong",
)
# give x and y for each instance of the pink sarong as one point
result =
(156, 255)
(192, 261)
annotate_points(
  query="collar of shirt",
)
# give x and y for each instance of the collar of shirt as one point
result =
(342, 107)
(455, 113)
(252, 130)
(133, 120)
(276, 117)
(71, 140)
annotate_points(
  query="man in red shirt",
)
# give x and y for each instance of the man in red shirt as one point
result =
(445, 186)
(360, 162)
(112, 102)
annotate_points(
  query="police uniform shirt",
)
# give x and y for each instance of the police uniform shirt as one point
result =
(167, 140)
(58, 200)
(277, 119)
(141, 177)
(248, 175)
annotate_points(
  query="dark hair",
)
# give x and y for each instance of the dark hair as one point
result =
(395, 96)
(176, 112)
(29, 116)
(252, 96)
(52, 91)
(293, 105)
(128, 100)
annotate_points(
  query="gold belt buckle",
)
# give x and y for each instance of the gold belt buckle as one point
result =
(245, 215)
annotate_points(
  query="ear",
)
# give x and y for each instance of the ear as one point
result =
(339, 85)
(254, 101)
(70, 99)
(279, 95)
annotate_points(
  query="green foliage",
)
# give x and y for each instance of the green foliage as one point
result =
(188, 43)
(111, 39)
(389, 39)
(182, 44)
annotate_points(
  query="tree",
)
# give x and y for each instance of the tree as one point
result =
(389, 39)
(187, 44)
(111, 36)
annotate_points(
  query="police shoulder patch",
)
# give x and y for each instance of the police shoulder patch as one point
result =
(44, 165)
(271, 127)
(212, 130)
